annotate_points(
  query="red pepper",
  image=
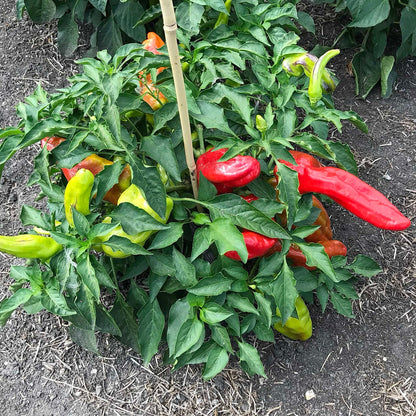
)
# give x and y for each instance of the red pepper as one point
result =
(257, 245)
(94, 164)
(233, 173)
(324, 232)
(349, 191)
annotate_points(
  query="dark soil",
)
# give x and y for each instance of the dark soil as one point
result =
(365, 366)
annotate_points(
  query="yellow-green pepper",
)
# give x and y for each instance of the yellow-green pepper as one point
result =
(29, 246)
(77, 194)
(299, 328)
(133, 195)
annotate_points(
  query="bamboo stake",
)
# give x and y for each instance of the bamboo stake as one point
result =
(170, 27)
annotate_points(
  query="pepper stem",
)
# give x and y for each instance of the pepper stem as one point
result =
(170, 28)
(315, 87)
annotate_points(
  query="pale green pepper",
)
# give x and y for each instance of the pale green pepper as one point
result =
(299, 328)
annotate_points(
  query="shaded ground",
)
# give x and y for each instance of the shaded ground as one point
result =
(365, 366)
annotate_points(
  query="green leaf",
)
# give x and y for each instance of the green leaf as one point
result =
(117, 243)
(33, 216)
(18, 298)
(244, 215)
(84, 337)
(264, 306)
(212, 313)
(124, 318)
(185, 271)
(109, 35)
(367, 13)
(40, 11)
(241, 303)
(106, 179)
(220, 336)
(151, 325)
(189, 334)
(250, 356)
(67, 34)
(306, 21)
(135, 220)
(82, 226)
(201, 242)
(227, 238)
(206, 189)
(316, 257)
(284, 292)
(105, 322)
(211, 116)
(305, 280)
(323, 296)
(160, 149)
(366, 71)
(101, 274)
(288, 191)
(211, 286)
(99, 5)
(87, 273)
(167, 237)
(342, 305)
(127, 14)
(179, 312)
(148, 180)
(216, 362)
(189, 15)
(161, 264)
(365, 266)
(388, 75)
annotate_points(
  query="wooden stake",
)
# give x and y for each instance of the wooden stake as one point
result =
(170, 27)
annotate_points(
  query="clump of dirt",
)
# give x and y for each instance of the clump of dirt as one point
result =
(364, 366)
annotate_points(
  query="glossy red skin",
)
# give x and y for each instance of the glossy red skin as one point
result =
(352, 193)
(257, 245)
(233, 173)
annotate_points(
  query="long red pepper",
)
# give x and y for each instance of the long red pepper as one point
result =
(350, 192)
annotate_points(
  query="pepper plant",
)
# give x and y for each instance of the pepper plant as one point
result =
(136, 254)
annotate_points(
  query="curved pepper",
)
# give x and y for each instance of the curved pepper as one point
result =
(77, 194)
(350, 192)
(150, 93)
(233, 173)
(257, 245)
(133, 195)
(94, 164)
(298, 63)
(29, 246)
(299, 328)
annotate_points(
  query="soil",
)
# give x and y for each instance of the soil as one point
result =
(362, 366)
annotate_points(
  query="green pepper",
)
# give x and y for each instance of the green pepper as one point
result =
(29, 246)
(299, 328)
(134, 196)
(223, 17)
(77, 194)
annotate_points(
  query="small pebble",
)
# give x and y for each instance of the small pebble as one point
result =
(310, 394)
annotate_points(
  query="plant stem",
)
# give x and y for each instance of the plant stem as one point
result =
(170, 27)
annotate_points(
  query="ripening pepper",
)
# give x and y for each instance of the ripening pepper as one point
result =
(151, 94)
(233, 173)
(29, 246)
(299, 328)
(77, 194)
(349, 191)
(300, 63)
(94, 164)
(134, 196)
